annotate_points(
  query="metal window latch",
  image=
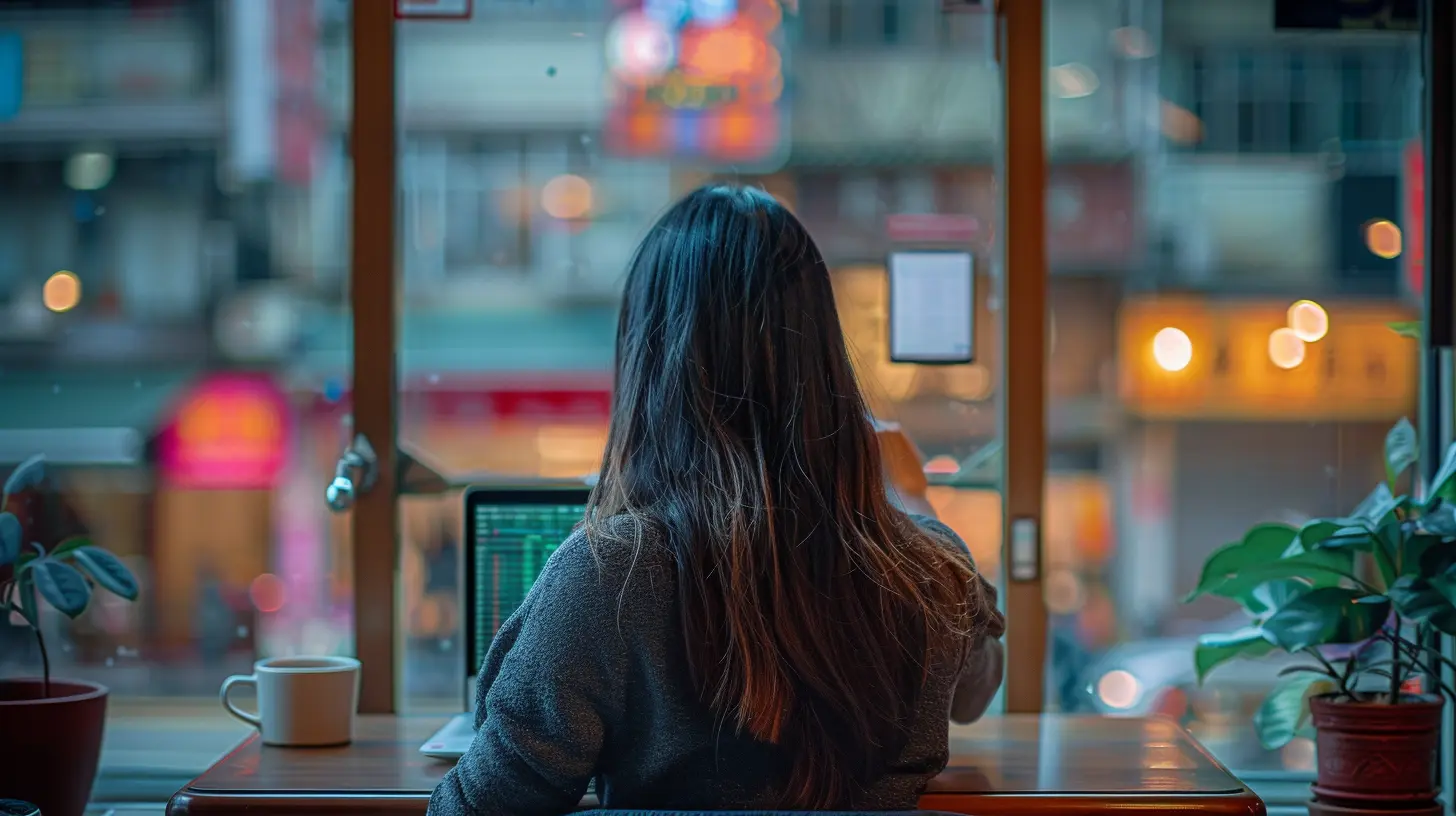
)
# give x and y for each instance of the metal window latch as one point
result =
(356, 473)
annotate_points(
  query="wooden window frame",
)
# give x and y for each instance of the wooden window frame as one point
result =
(374, 293)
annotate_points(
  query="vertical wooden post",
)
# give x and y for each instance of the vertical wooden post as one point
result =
(1024, 400)
(375, 523)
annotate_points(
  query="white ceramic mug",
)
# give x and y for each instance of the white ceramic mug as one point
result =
(302, 701)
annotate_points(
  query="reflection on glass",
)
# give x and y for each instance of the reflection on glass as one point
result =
(172, 195)
(173, 268)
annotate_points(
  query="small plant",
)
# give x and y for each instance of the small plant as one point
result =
(64, 576)
(1360, 596)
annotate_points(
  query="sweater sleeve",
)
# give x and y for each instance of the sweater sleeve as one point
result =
(981, 672)
(549, 692)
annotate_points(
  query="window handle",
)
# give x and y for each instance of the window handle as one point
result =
(356, 473)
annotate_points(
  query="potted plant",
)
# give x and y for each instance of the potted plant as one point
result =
(52, 726)
(1362, 597)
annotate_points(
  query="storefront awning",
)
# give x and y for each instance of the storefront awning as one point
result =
(562, 340)
(84, 418)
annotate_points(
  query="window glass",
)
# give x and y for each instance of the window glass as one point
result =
(174, 253)
(873, 124)
(1270, 164)
(173, 219)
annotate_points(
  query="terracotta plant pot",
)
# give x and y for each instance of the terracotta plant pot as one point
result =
(1377, 756)
(51, 744)
(1318, 808)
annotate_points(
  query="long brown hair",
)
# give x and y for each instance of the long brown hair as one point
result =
(812, 610)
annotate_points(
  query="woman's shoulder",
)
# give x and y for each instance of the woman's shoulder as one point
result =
(941, 533)
(612, 550)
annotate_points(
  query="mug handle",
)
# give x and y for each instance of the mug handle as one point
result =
(227, 686)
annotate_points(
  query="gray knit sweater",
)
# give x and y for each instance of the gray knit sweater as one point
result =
(588, 681)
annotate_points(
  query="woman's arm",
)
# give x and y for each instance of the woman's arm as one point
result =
(981, 672)
(551, 686)
(980, 679)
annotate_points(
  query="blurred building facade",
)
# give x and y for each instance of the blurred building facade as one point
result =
(187, 161)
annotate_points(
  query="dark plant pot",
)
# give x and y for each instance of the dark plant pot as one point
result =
(1376, 755)
(51, 744)
(1318, 808)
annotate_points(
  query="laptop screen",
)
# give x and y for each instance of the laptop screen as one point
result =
(510, 532)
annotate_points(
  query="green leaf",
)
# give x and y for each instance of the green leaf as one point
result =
(1358, 538)
(26, 474)
(1375, 507)
(62, 585)
(108, 571)
(1424, 555)
(1281, 717)
(69, 546)
(1440, 519)
(1261, 545)
(1441, 484)
(1400, 450)
(25, 588)
(1270, 596)
(1318, 532)
(1327, 615)
(1427, 600)
(1322, 568)
(28, 558)
(1213, 650)
(1407, 328)
(10, 534)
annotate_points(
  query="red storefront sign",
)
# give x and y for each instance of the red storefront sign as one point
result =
(586, 399)
(1413, 222)
(932, 229)
(558, 405)
(229, 432)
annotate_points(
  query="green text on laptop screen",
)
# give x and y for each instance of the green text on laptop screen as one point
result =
(512, 543)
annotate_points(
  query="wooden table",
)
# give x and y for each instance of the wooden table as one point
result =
(1004, 765)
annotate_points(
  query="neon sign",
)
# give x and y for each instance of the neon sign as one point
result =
(701, 79)
(229, 433)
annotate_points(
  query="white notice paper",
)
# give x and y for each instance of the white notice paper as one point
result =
(932, 307)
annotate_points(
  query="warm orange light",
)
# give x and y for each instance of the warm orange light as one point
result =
(942, 465)
(1383, 239)
(1286, 349)
(721, 54)
(267, 593)
(234, 420)
(567, 197)
(1180, 124)
(1308, 320)
(62, 291)
(1172, 349)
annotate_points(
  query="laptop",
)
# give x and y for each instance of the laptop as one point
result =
(509, 534)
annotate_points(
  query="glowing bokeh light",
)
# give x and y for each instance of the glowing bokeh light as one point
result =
(1286, 349)
(89, 170)
(267, 593)
(943, 465)
(1074, 81)
(639, 49)
(1172, 349)
(1308, 320)
(1383, 239)
(567, 197)
(62, 291)
(1119, 689)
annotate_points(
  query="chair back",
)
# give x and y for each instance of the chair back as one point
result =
(603, 812)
